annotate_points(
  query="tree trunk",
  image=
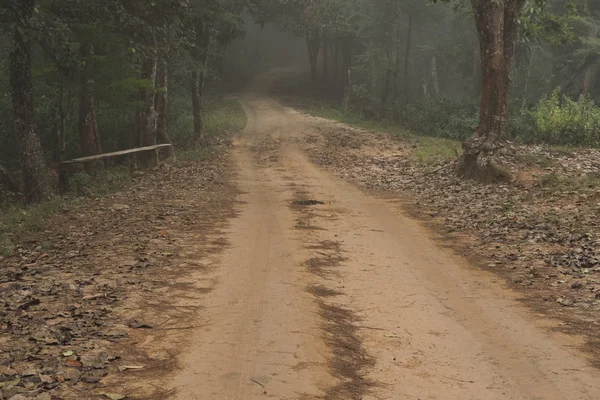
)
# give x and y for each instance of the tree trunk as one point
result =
(592, 70)
(395, 81)
(33, 165)
(313, 44)
(203, 46)
(527, 79)
(162, 96)
(435, 83)
(497, 24)
(405, 97)
(385, 89)
(197, 83)
(477, 72)
(147, 115)
(346, 70)
(58, 127)
(58, 133)
(89, 137)
(326, 60)
(588, 79)
(348, 93)
(336, 64)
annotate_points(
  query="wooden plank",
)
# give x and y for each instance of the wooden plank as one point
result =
(115, 154)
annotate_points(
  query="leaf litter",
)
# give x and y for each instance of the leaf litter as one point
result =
(73, 296)
(541, 231)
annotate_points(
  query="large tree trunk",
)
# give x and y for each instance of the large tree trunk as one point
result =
(313, 44)
(497, 24)
(33, 165)
(89, 137)
(162, 96)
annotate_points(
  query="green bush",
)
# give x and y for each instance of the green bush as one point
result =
(558, 120)
(443, 117)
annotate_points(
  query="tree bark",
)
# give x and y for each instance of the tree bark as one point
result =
(527, 79)
(588, 79)
(326, 60)
(405, 97)
(162, 96)
(33, 165)
(89, 137)
(347, 67)
(477, 72)
(435, 83)
(348, 94)
(197, 83)
(202, 52)
(59, 122)
(497, 24)
(336, 64)
(147, 121)
(313, 44)
(395, 80)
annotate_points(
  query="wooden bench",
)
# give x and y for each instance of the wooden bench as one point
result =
(76, 164)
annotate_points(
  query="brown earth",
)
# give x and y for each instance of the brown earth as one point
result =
(305, 287)
(328, 292)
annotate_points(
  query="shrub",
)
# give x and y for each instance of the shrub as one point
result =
(443, 117)
(561, 121)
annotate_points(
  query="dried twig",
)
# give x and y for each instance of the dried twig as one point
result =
(261, 385)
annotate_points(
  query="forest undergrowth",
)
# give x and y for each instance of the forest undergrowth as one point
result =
(17, 220)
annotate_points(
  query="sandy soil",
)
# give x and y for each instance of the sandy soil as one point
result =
(328, 292)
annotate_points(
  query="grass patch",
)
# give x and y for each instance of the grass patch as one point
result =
(18, 220)
(426, 149)
(222, 117)
(431, 150)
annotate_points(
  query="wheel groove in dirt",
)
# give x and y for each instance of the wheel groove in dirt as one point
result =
(350, 363)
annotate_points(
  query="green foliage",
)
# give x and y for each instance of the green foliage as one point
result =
(444, 117)
(17, 220)
(81, 183)
(562, 121)
(221, 117)
(425, 149)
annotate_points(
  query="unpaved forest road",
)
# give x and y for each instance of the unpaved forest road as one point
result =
(350, 299)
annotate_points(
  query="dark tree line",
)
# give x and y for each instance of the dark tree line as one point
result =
(131, 47)
(80, 64)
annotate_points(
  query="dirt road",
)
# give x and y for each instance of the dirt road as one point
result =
(329, 292)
